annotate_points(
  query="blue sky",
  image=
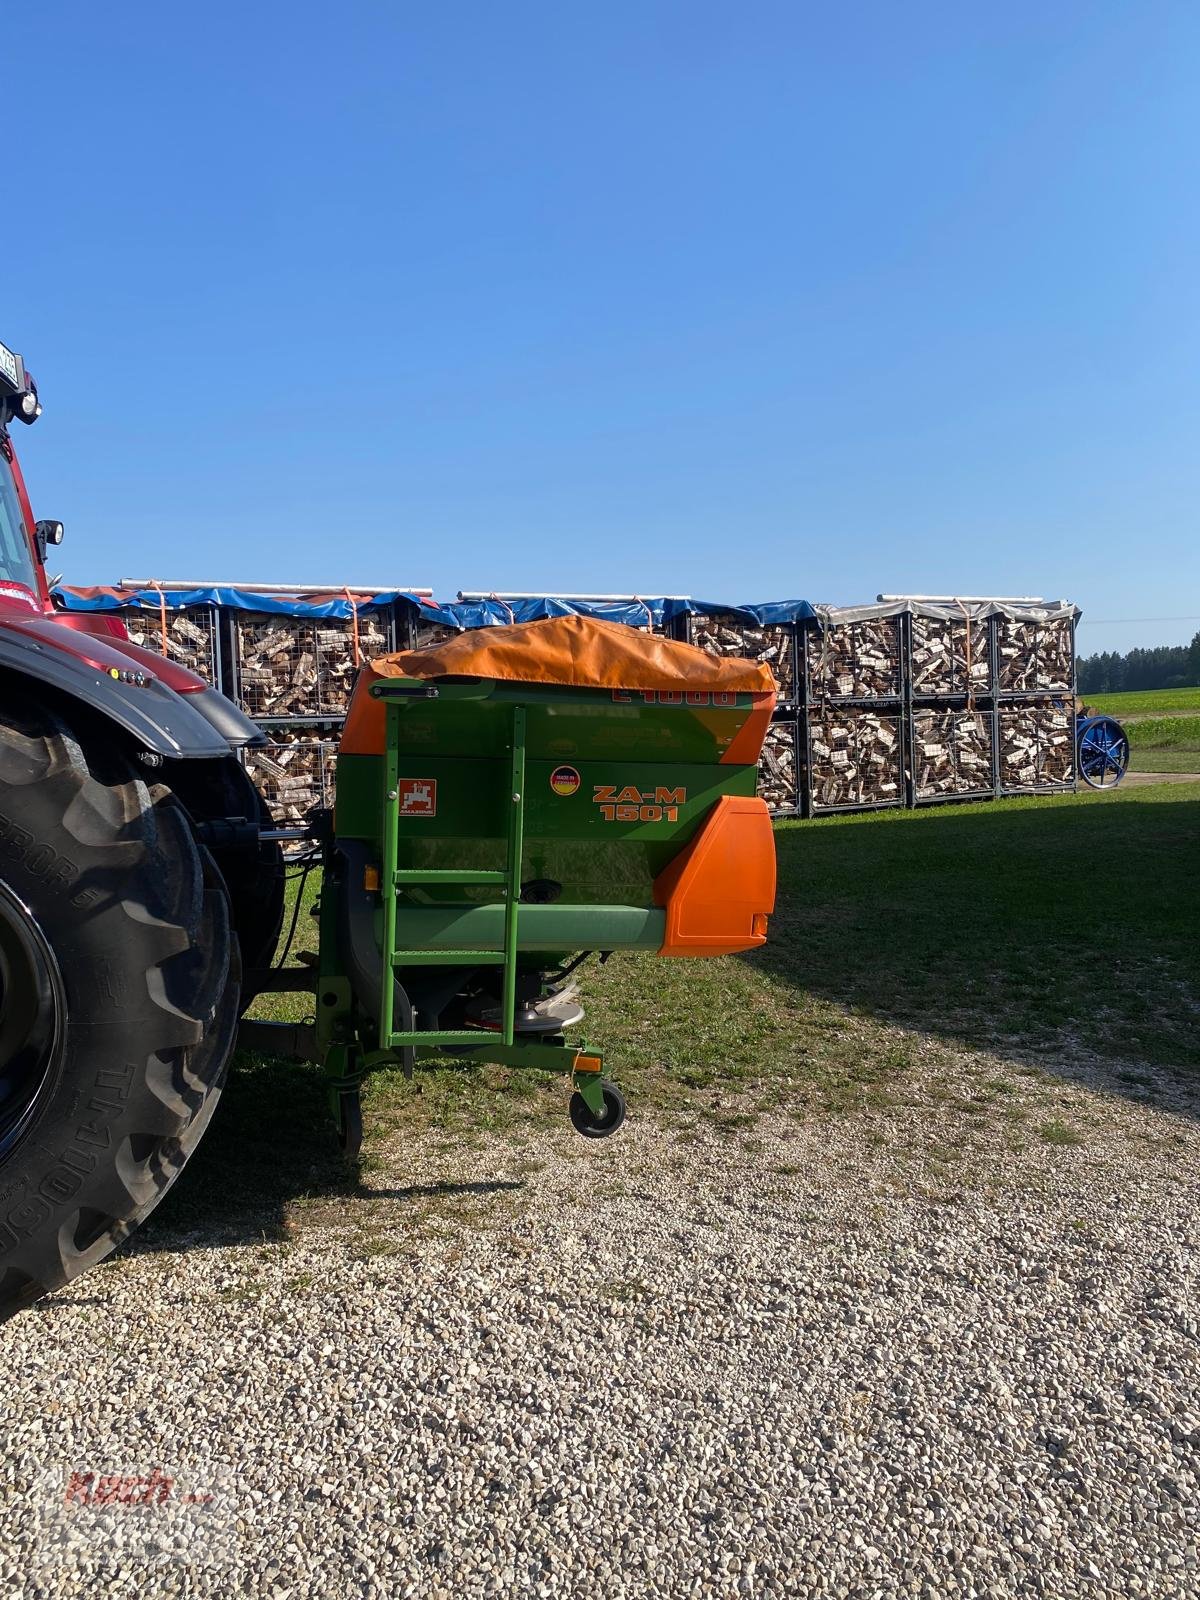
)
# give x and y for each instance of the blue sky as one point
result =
(740, 301)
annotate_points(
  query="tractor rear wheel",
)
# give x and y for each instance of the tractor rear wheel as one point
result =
(119, 984)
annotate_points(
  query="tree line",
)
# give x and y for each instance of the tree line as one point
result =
(1167, 666)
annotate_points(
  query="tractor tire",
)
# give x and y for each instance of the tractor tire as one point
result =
(119, 988)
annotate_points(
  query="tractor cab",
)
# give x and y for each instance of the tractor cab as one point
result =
(22, 541)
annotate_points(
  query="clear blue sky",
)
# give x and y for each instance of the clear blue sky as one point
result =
(746, 301)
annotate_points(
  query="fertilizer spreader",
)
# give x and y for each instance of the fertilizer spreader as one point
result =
(508, 803)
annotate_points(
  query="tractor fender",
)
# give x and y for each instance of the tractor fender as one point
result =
(180, 727)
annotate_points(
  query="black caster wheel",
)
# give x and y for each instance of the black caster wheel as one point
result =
(591, 1126)
(350, 1123)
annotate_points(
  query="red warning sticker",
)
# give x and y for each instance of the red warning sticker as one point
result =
(418, 797)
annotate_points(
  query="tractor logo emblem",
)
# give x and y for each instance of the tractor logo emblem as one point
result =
(418, 797)
(565, 781)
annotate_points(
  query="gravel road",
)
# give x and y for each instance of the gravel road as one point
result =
(828, 1359)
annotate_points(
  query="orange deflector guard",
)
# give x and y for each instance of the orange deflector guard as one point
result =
(720, 889)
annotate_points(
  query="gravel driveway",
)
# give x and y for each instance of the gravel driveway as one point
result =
(820, 1359)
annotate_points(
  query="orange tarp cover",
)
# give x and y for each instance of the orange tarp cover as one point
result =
(582, 652)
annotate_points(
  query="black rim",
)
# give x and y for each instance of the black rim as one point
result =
(32, 1012)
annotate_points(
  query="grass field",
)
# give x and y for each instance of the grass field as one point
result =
(1165, 744)
(1145, 702)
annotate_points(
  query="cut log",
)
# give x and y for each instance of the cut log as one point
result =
(1035, 657)
(1037, 747)
(855, 758)
(950, 657)
(952, 753)
(298, 667)
(854, 660)
(725, 634)
(777, 770)
(191, 637)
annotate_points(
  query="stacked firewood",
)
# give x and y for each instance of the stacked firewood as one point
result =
(952, 753)
(294, 773)
(301, 667)
(191, 636)
(950, 656)
(1035, 657)
(725, 634)
(1037, 747)
(777, 773)
(855, 759)
(854, 660)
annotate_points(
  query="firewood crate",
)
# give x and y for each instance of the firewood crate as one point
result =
(299, 666)
(1036, 748)
(952, 753)
(778, 769)
(855, 661)
(192, 637)
(1035, 658)
(730, 634)
(855, 759)
(949, 656)
(295, 771)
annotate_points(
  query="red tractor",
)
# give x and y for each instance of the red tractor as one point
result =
(137, 875)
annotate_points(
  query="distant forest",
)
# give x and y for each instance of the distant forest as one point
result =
(1170, 666)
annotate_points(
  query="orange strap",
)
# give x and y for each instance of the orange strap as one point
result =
(967, 657)
(637, 600)
(162, 615)
(354, 620)
(512, 615)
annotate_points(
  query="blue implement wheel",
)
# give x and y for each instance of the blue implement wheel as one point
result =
(1103, 751)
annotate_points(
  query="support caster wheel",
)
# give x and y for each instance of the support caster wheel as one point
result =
(349, 1123)
(591, 1125)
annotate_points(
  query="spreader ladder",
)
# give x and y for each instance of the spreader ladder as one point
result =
(507, 879)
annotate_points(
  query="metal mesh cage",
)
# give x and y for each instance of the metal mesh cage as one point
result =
(294, 772)
(301, 666)
(854, 660)
(1035, 657)
(1037, 748)
(953, 753)
(191, 637)
(855, 760)
(950, 657)
(726, 634)
(778, 776)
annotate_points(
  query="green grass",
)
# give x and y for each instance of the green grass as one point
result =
(904, 944)
(1038, 923)
(1164, 761)
(1165, 733)
(1144, 702)
(1165, 744)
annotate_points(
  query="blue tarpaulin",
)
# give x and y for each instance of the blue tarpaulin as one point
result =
(462, 614)
(763, 614)
(104, 598)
